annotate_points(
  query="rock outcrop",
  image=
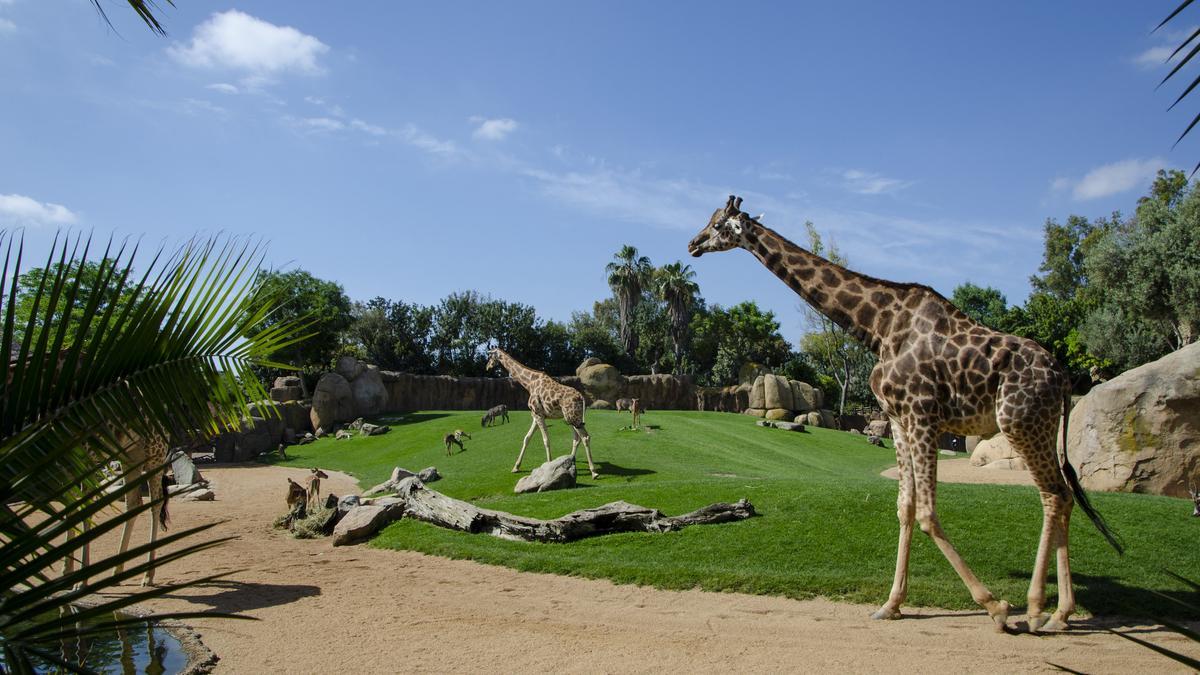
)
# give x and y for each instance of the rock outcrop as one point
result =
(599, 380)
(332, 401)
(996, 453)
(1140, 431)
(557, 474)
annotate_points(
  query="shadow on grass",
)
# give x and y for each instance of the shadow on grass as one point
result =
(610, 469)
(402, 419)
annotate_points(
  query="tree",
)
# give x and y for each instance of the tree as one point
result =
(628, 275)
(726, 339)
(1149, 270)
(833, 350)
(31, 307)
(984, 304)
(171, 361)
(393, 335)
(675, 286)
(323, 305)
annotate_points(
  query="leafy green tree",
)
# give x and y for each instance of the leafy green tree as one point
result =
(1149, 270)
(591, 335)
(393, 335)
(727, 338)
(833, 350)
(298, 295)
(984, 304)
(172, 363)
(652, 327)
(628, 275)
(31, 307)
(675, 286)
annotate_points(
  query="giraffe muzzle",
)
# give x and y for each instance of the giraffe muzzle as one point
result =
(695, 245)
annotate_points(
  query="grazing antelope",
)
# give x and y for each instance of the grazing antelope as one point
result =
(455, 438)
(494, 413)
(297, 502)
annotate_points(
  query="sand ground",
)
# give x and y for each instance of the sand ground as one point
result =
(323, 609)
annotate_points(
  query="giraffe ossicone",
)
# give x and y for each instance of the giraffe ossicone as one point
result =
(938, 370)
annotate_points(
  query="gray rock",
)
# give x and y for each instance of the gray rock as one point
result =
(765, 423)
(305, 439)
(356, 424)
(374, 429)
(881, 428)
(362, 522)
(557, 474)
(777, 393)
(802, 396)
(370, 395)
(198, 495)
(184, 470)
(429, 475)
(332, 401)
(347, 503)
(996, 453)
(875, 440)
(288, 381)
(855, 432)
(789, 426)
(284, 394)
(254, 439)
(1140, 431)
(343, 434)
(348, 367)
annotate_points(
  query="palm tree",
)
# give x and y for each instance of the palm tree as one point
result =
(1191, 37)
(147, 10)
(628, 274)
(156, 356)
(674, 286)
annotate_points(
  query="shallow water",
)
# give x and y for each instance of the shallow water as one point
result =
(143, 648)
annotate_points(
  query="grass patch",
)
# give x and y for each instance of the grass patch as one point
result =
(827, 525)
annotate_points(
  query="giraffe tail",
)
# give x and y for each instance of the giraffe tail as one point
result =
(1081, 497)
(164, 518)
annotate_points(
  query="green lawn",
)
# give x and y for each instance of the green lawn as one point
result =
(827, 523)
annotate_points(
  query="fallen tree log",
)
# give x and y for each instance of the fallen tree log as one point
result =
(436, 508)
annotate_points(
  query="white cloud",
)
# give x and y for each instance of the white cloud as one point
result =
(316, 123)
(7, 26)
(868, 183)
(1157, 55)
(1111, 179)
(17, 210)
(238, 41)
(223, 87)
(493, 130)
(631, 196)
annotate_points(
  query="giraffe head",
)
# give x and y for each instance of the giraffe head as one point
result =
(725, 230)
(493, 358)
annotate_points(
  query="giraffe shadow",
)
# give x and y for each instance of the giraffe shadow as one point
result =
(1112, 600)
(241, 596)
(610, 469)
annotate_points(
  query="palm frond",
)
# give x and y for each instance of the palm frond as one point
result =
(1178, 66)
(147, 11)
(163, 355)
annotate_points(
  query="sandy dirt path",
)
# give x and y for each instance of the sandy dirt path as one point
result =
(356, 609)
(959, 470)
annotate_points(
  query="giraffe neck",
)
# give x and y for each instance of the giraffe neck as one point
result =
(854, 301)
(519, 371)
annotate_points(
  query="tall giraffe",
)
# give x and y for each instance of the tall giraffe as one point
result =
(139, 456)
(937, 370)
(547, 399)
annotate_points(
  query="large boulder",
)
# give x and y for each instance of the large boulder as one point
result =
(587, 363)
(557, 474)
(804, 397)
(756, 412)
(779, 414)
(818, 398)
(348, 367)
(332, 401)
(600, 381)
(777, 392)
(296, 417)
(758, 396)
(183, 470)
(253, 439)
(1140, 431)
(881, 428)
(370, 396)
(996, 453)
(364, 521)
(283, 394)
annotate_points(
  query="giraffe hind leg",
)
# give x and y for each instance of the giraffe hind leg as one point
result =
(524, 444)
(906, 514)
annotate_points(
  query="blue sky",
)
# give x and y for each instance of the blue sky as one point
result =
(413, 149)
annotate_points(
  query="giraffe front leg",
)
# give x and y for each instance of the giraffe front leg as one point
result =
(1037, 581)
(157, 516)
(1066, 591)
(586, 439)
(906, 514)
(923, 442)
(133, 499)
(524, 443)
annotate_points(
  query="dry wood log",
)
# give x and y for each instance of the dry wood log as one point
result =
(434, 507)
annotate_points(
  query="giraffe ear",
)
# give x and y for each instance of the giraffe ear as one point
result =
(760, 217)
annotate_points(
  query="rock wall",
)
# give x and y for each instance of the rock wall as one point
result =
(443, 392)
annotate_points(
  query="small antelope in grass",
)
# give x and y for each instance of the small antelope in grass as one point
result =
(623, 404)
(494, 413)
(635, 407)
(1195, 495)
(314, 487)
(455, 437)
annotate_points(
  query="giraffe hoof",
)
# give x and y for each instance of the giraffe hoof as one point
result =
(1000, 616)
(1036, 621)
(1055, 624)
(886, 613)
(595, 475)
(516, 469)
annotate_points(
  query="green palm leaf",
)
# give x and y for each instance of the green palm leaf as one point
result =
(166, 354)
